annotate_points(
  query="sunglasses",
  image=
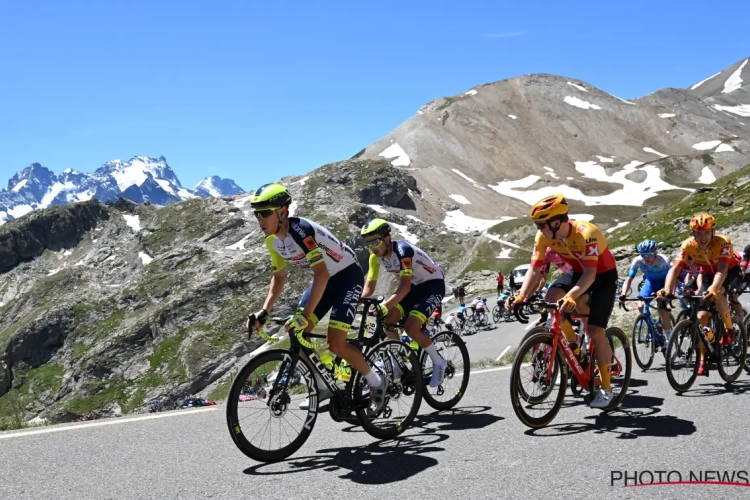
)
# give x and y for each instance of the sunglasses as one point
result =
(263, 214)
(647, 255)
(540, 225)
(374, 243)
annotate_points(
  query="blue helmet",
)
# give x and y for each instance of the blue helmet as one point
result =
(647, 246)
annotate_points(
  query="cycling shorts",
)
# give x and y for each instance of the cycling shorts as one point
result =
(732, 280)
(422, 299)
(601, 294)
(341, 296)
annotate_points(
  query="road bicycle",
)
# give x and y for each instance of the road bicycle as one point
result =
(271, 429)
(548, 365)
(648, 335)
(683, 351)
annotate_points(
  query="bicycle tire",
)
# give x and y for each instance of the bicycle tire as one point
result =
(683, 328)
(741, 338)
(612, 333)
(427, 396)
(496, 316)
(515, 381)
(747, 329)
(643, 364)
(397, 348)
(233, 420)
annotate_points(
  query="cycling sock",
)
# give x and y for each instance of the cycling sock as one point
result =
(727, 318)
(373, 379)
(604, 377)
(567, 329)
(432, 351)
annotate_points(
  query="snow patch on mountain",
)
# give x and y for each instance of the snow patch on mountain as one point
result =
(734, 82)
(397, 152)
(574, 101)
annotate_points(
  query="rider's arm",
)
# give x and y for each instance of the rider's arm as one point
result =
(279, 275)
(670, 282)
(372, 276)
(538, 259)
(632, 272)
(721, 273)
(320, 280)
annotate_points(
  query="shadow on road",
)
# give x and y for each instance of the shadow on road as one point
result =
(717, 389)
(635, 418)
(457, 419)
(381, 462)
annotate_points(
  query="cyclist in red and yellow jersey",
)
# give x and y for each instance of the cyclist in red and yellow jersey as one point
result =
(720, 271)
(590, 287)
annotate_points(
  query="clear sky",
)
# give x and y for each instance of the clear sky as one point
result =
(257, 90)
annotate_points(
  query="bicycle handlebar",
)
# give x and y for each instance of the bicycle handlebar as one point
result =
(670, 298)
(268, 338)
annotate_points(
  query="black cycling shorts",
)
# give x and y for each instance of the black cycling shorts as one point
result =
(601, 294)
(423, 299)
(341, 296)
(731, 281)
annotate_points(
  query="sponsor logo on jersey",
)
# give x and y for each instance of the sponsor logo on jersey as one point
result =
(592, 249)
(578, 255)
(581, 228)
(406, 262)
(299, 229)
(310, 242)
(429, 268)
(335, 256)
(726, 250)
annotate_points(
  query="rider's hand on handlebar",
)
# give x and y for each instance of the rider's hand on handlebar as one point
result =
(663, 293)
(296, 323)
(260, 319)
(621, 298)
(710, 294)
(567, 303)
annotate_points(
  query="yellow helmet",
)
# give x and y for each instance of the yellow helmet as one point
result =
(548, 207)
(702, 222)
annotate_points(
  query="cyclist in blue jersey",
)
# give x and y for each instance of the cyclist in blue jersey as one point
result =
(655, 267)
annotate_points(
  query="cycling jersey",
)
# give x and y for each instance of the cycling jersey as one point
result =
(551, 257)
(719, 250)
(406, 260)
(307, 244)
(656, 271)
(584, 247)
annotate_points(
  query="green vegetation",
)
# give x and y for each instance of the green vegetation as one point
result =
(707, 159)
(485, 257)
(661, 226)
(188, 219)
(102, 394)
(48, 376)
(358, 154)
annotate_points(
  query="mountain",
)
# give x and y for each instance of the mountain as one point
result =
(105, 307)
(496, 148)
(139, 179)
(216, 186)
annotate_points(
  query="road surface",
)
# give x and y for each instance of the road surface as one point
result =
(480, 450)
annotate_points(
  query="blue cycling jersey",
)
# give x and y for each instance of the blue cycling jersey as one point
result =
(657, 270)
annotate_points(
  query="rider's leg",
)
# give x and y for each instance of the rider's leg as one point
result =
(394, 316)
(426, 300)
(557, 291)
(666, 320)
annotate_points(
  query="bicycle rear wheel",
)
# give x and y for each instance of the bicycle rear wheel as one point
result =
(732, 357)
(271, 428)
(496, 317)
(532, 364)
(404, 393)
(453, 349)
(620, 368)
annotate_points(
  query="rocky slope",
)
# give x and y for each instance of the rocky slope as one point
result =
(139, 179)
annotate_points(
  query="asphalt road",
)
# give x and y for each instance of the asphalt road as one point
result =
(479, 450)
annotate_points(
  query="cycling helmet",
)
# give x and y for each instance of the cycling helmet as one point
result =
(549, 207)
(270, 197)
(647, 246)
(702, 222)
(376, 226)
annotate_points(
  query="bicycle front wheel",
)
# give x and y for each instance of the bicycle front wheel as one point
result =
(531, 384)
(683, 356)
(263, 413)
(621, 366)
(643, 343)
(453, 349)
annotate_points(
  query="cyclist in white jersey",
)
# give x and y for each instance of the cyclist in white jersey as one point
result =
(420, 291)
(336, 286)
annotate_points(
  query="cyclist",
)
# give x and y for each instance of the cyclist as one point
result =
(480, 308)
(591, 286)
(720, 271)
(337, 280)
(654, 267)
(419, 292)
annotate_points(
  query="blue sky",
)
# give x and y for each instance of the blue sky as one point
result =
(257, 90)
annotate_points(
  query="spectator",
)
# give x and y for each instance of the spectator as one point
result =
(499, 278)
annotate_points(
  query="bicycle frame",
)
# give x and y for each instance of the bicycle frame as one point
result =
(558, 338)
